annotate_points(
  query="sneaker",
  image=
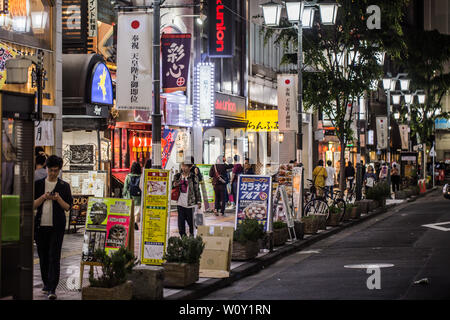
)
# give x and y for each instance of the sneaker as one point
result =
(52, 296)
(45, 290)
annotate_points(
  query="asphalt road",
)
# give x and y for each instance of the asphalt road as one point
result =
(396, 238)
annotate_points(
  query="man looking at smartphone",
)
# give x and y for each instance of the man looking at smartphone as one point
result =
(52, 198)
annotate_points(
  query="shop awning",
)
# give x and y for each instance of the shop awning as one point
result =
(120, 174)
(224, 122)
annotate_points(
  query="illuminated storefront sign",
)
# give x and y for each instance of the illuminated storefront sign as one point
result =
(101, 85)
(221, 28)
(204, 94)
(262, 120)
(229, 106)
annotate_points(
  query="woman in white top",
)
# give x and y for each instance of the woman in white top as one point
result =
(329, 182)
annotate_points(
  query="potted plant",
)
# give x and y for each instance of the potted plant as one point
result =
(245, 240)
(182, 261)
(355, 212)
(335, 216)
(280, 233)
(311, 224)
(322, 218)
(112, 284)
(379, 193)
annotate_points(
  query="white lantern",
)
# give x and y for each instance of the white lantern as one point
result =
(308, 17)
(396, 98)
(421, 97)
(271, 13)
(396, 115)
(387, 83)
(294, 11)
(393, 84)
(328, 13)
(409, 98)
(404, 84)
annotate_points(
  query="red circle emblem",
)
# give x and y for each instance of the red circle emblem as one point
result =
(135, 24)
(180, 81)
(287, 81)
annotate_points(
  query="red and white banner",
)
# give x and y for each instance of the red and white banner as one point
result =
(287, 102)
(382, 132)
(134, 61)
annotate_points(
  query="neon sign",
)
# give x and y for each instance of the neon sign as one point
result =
(101, 85)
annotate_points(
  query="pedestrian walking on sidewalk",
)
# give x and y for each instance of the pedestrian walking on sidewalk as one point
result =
(329, 182)
(248, 168)
(395, 178)
(350, 174)
(132, 190)
(238, 169)
(52, 198)
(190, 197)
(319, 177)
(369, 179)
(220, 180)
(383, 172)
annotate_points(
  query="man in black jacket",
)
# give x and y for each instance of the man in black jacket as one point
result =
(52, 198)
(220, 180)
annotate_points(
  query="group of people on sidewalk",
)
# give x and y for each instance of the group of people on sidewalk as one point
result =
(324, 177)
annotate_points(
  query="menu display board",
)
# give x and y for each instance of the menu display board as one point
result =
(204, 170)
(254, 199)
(107, 226)
(155, 208)
(78, 210)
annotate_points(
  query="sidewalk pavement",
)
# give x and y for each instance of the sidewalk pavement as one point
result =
(72, 246)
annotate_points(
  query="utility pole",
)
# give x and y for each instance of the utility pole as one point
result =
(156, 115)
(358, 157)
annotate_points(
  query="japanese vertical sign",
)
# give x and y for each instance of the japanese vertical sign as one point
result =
(43, 133)
(287, 102)
(204, 93)
(107, 226)
(155, 208)
(404, 130)
(92, 18)
(176, 53)
(167, 143)
(134, 61)
(221, 28)
(382, 133)
(254, 199)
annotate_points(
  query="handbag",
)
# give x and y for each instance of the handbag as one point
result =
(175, 194)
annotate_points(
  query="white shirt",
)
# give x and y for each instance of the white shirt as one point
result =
(183, 199)
(329, 182)
(47, 208)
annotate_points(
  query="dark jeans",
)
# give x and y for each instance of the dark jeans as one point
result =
(185, 215)
(221, 195)
(49, 243)
(234, 191)
(350, 183)
(328, 191)
(395, 183)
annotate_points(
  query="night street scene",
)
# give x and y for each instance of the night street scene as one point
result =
(225, 158)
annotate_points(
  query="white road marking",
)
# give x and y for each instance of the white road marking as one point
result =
(369, 265)
(309, 251)
(436, 226)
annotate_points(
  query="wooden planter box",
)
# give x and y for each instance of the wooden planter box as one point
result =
(121, 292)
(311, 225)
(280, 236)
(180, 275)
(335, 219)
(299, 229)
(246, 251)
(373, 205)
(322, 221)
(347, 214)
(364, 205)
(355, 213)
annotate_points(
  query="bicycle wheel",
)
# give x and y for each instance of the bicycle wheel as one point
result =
(317, 206)
(340, 203)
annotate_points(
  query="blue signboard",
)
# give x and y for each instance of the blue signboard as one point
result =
(254, 199)
(442, 123)
(101, 86)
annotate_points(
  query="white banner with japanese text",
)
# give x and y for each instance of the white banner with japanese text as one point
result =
(134, 61)
(404, 130)
(382, 133)
(287, 102)
(43, 133)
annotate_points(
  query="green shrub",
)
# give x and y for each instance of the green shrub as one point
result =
(114, 268)
(248, 230)
(336, 210)
(279, 225)
(379, 191)
(184, 250)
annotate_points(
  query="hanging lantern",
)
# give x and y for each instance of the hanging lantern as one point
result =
(139, 146)
(145, 140)
(134, 143)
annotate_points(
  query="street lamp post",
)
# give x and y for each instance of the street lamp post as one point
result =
(389, 85)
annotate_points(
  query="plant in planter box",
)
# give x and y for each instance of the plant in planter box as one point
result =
(245, 239)
(379, 193)
(335, 216)
(311, 224)
(112, 284)
(182, 261)
(354, 211)
(280, 233)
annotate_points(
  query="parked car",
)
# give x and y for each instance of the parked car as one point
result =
(446, 191)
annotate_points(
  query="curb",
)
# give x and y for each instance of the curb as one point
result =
(199, 290)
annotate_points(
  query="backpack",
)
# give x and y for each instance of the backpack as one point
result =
(135, 191)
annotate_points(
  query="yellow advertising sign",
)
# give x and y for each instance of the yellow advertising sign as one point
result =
(155, 209)
(262, 120)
